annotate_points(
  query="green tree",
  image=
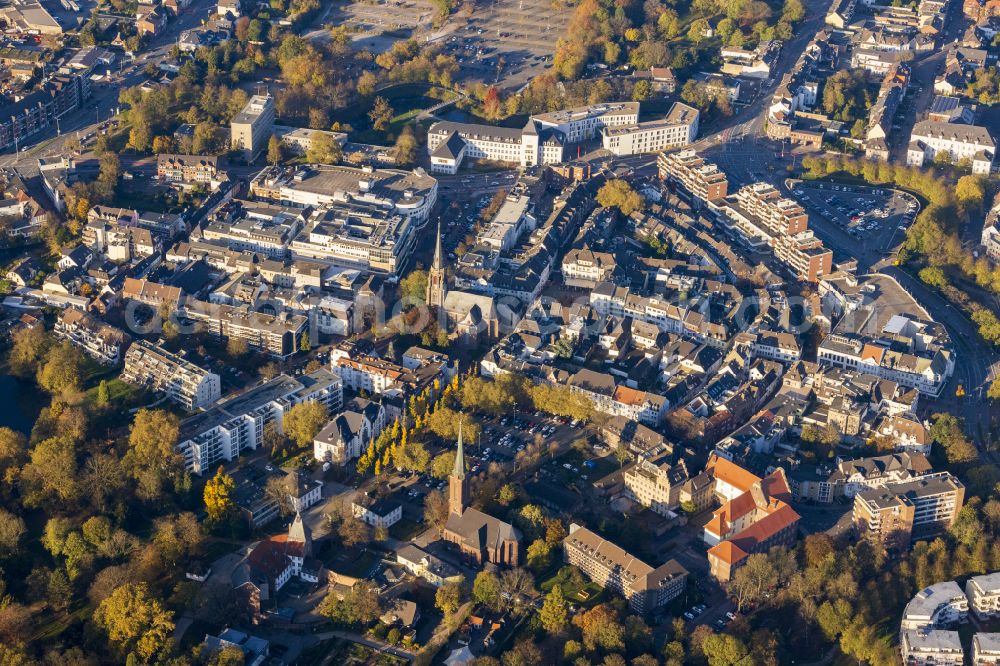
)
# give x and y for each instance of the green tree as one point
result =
(933, 276)
(448, 597)
(103, 395)
(697, 33)
(133, 620)
(304, 345)
(970, 192)
(553, 615)
(304, 421)
(726, 650)
(993, 393)
(152, 457)
(443, 464)
(413, 288)
(358, 606)
(486, 590)
(619, 194)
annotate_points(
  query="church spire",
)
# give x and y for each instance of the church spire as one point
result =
(435, 276)
(458, 489)
(460, 455)
(437, 250)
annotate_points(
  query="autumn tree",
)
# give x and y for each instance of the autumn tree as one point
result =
(406, 148)
(601, 628)
(304, 421)
(324, 149)
(275, 151)
(359, 606)
(134, 620)
(28, 349)
(726, 650)
(752, 579)
(218, 496)
(436, 509)
(62, 370)
(152, 458)
(619, 194)
(413, 288)
(381, 113)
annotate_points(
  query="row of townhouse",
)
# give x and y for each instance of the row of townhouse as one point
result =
(99, 340)
(609, 397)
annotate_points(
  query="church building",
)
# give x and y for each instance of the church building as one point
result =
(478, 535)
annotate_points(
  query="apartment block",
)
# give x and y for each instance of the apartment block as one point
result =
(278, 335)
(252, 127)
(656, 486)
(935, 606)
(183, 382)
(98, 340)
(931, 647)
(611, 567)
(778, 215)
(237, 424)
(39, 110)
(188, 169)
(702, 180)
(895, 514)
(986, 649)
(983, 593)
(449, 143)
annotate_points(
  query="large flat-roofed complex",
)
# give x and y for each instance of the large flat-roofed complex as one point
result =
(646, 588)
(408, 193)
(363, 237)
(154, 368)
(255, 228)
(700, 179)
(251, 128)
(231, 427)
(678, 128)
(586, 122)
(897, 513)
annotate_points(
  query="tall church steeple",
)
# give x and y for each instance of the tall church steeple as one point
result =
(458, 488)
(435, 277)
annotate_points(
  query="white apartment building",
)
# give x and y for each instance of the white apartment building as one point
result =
(983, 593)
(183, 382)
(678, 128)
(510, 222)
(935, 606)
(448, 144)
(986, 649)
(932, 647)
(586, 122)
(541, 141)
(236, 425)
(98, 340)
(383, 513)
(251, 128)
(960, 142)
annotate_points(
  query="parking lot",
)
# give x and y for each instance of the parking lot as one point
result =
(877, 217)
(384, 15)
(512, 39)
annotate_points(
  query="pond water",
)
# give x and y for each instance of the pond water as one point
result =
(20, 403)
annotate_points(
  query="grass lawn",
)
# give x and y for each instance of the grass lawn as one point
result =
(405, 529)
(121, 394)
(55, 627)
(586, 594)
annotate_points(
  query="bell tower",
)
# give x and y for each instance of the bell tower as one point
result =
(458, 485)
(436, 289)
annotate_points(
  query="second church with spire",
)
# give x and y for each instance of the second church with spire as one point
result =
(478, 535)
